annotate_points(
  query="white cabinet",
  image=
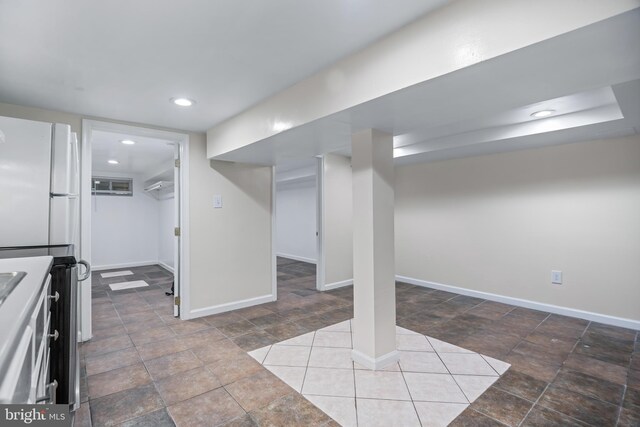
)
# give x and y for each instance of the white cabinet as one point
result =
(40, 323)
(16, 385)
(27, 377)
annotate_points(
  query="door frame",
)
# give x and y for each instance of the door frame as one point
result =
(182, 142)
(320, 251)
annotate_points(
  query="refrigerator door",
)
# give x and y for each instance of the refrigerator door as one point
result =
(62, 161)
(64, 222)
(25, 173)
(74, 167)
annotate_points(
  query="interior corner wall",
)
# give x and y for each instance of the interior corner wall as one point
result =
(338, 220)
(42, 115)
(296, 203)
(231, 247)
(500, 223)
(124, 230)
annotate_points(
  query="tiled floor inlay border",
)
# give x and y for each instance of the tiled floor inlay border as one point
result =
(431, 384)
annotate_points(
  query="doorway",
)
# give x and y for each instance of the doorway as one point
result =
(335, 222)
(133, 205)
(296, 229)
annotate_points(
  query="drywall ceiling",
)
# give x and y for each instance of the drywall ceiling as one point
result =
(590, 76)
(148, 157)
(122, 59)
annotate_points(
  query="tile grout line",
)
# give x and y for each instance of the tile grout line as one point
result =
(494, 369)
(407, 371)
(266, 355)
(447, 368)
(390, 400)
(353, 368)
(306, 368)
(413, 403)
(626, 385)
(556, 375)
(548, 384)
(224, 387)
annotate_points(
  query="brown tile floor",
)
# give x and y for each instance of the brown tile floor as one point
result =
(145, 367)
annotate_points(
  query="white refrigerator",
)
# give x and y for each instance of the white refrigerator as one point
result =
(39, 184)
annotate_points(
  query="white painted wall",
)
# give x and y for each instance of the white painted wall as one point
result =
(337, 221)
(124, 230)
(296, 219)
(231, 250)
(500, 223)
(166, 224)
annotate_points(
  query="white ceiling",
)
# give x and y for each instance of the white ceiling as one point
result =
(590, 76)
(123, 59)
(148, 156)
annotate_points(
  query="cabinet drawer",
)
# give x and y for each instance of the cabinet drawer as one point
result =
(41, 359)
(16, 386)
(43, 378)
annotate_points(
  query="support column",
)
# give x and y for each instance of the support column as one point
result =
(374, 324)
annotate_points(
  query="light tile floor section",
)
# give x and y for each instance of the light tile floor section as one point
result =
(116, 274)
(430, 386)
(128, 285)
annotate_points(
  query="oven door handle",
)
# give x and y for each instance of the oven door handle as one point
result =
(87, 272)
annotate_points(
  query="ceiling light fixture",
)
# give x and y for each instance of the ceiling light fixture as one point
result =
(281, 126)
(183, 102)
(128, 141)
(113, 162)
(542, 113)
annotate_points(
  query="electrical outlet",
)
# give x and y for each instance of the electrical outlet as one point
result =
(556, 277)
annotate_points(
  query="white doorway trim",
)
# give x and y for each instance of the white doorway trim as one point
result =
(182, 141)
(274, 230)
(320, 273)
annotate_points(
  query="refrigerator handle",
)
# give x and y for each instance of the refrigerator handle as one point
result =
(87, 272)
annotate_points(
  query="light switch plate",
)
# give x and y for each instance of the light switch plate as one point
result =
(556, 277)
(217, 201)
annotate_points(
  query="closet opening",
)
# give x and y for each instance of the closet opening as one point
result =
(131, 220)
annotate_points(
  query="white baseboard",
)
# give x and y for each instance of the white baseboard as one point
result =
(375, 364)
(166, 266)
(565, 311)
(222, 308)
(297, 258)
(123, 265)
(336, 285)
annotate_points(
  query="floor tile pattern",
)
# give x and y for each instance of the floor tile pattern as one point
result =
(564, 371)
(444, 382)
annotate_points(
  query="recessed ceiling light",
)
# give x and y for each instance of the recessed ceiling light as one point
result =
(113, 162)
(542, 113)
(183, 102)
(128, 142)
(281, 126)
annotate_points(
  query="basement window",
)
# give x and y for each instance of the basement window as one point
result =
(105, 186)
